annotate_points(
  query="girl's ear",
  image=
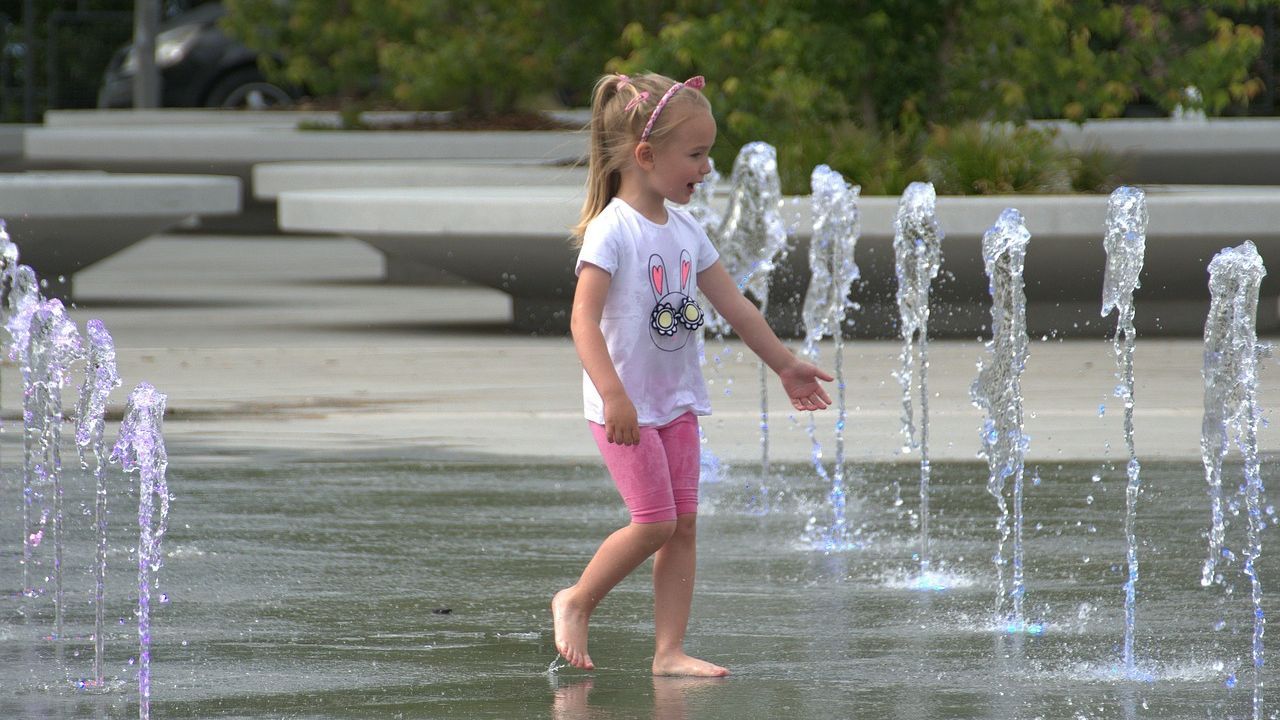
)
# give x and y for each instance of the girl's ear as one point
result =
(644, 156)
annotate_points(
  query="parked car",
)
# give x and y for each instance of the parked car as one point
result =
(200, 66)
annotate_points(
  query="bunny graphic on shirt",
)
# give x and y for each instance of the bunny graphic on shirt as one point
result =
(675, 313)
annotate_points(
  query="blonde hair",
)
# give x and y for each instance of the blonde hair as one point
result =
(620, 109)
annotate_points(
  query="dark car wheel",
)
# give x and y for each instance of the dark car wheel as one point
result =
(246, 88)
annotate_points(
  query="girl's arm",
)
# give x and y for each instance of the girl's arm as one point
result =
(620, 423)
(799, 378)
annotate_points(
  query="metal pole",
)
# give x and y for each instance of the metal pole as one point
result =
(29, 61)
(146, 83)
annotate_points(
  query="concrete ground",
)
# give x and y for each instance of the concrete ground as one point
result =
(274, 349)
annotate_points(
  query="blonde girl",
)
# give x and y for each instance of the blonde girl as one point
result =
(640, 269)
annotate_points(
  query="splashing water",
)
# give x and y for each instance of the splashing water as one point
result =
(826, 303)
(1125, 243)
(998, 392)
(700, 206)
(751, 236)
(752, 239)
(917, 249)
(1231, 412)
(99, 380)
(702, 210)
(141, 448)
(8, 269)
(20, 303)
(54, 344)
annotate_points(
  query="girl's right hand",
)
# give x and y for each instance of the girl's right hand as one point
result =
(621, 426)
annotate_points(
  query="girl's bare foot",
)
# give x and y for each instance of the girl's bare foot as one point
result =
(570, 625)
(686, 666)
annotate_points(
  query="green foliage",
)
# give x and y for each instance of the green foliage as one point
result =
(481, 58)
(1091, 58)
(797, 74)
(325, 44)
(971, 158)
(867, 86)
(990, 159)
(74, 43)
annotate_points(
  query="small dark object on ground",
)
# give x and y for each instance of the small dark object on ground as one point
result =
(442, 611)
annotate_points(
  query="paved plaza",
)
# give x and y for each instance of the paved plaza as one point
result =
(291, 348)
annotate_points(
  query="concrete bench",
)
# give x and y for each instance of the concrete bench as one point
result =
(64, 222)
(272, 179)
(1225, 151)
(517, 240)
(223, 117)
(235, 150)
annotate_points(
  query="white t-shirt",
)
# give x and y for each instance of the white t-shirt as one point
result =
(651, 316)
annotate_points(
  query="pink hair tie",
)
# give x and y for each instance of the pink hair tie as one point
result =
(623, 80)
(637, 100)
(696, 82)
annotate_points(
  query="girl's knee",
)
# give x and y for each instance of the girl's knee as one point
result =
(656, 533)
(685, 530)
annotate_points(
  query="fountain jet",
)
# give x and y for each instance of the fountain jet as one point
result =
(998, 392)
(1125, 243)
(751, 238)
(99, 380)
(1231, 412)
(917, 249)
(141, 448)
(826, 303)
(54, 345)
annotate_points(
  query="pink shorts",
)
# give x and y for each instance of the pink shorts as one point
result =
(658, 479)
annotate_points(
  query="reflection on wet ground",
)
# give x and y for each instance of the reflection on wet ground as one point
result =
(415, 590)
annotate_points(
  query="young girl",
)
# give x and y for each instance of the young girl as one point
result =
(635, 314)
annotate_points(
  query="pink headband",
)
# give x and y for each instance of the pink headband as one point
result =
(696, 82)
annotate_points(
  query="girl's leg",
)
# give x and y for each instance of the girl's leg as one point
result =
(673, 570)
(619, 554)
(675, 563)
(644, 481)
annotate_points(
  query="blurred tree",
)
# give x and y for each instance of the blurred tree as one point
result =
(328, 47)
(74, 40)
(480, 58)
(798, 73)
(818, 79)
(1090, 58)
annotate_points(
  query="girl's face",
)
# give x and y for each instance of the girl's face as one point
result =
(682, 160)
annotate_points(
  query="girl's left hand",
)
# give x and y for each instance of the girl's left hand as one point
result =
(800, 380)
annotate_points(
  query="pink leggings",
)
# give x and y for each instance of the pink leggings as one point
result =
(658, 479)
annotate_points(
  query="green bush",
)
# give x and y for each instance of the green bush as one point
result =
(991, 159)
(478, 58)
(971, 158)
(866, 86)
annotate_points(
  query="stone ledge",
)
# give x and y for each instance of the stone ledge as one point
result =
(271, 179)
(517, 240)
(150, 146)
(64, 222)
(1225, 151)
